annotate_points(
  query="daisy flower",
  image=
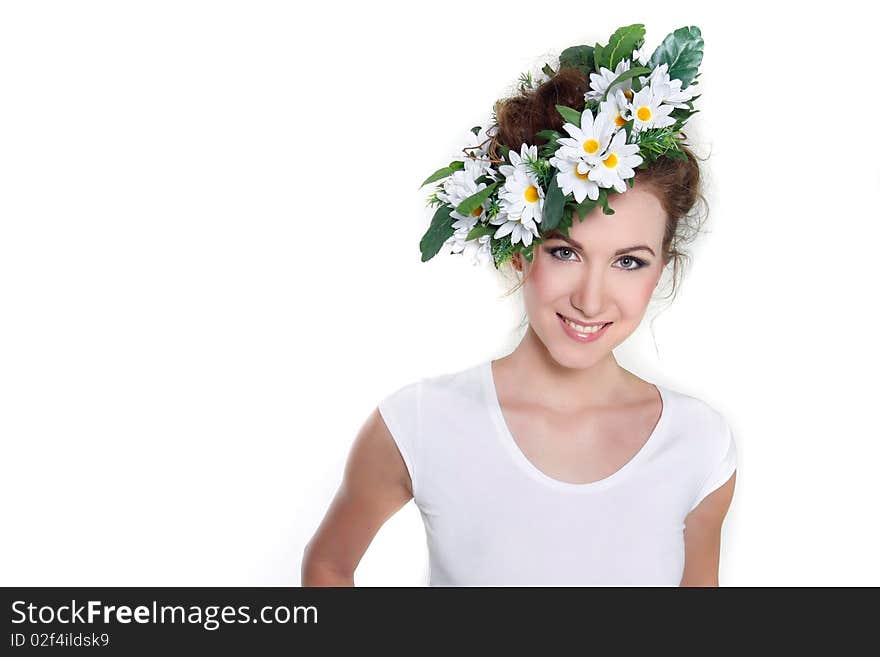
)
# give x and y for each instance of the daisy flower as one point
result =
(479, 250)
(616, 107)
(618, 163)
(640, 55)
(573, 178)
(459, 186)
(519, 161)
(519, 231)
(522, 197)
(648, 111)
(668, 90)
(587, 142)
(599, 82)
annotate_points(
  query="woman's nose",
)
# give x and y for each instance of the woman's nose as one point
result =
(589, 296)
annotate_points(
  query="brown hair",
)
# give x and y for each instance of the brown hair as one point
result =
(676, 183)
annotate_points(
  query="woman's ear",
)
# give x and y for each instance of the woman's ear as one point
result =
(517, 261)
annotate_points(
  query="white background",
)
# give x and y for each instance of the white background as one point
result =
(209, 272)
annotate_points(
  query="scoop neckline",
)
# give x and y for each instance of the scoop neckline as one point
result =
(506, 437)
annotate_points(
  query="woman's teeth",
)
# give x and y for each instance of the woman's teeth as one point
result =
(586, 330)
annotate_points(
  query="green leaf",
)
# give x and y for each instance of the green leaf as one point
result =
(626, 75)
(474, 201)
(585, 207)
(553, 204)
(603, 200)
(579, 57)
(481, 229)
(682, 52)
(570, 115)
(444, 172)
(476, 130)
(622, 43)
(599, 57)
(548, 134)
(438, 232)
(529, 251)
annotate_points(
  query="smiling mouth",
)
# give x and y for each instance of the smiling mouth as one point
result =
(582, 329)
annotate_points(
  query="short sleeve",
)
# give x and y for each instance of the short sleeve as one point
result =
(724, 465)
(400, 411)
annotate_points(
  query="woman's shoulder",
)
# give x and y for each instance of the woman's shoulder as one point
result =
(462, 382)
(692, 415)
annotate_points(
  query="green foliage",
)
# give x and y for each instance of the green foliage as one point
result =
(479, 230)
(502, 249)
(553, 205)
(603, 200)
(682, 52)
(547, 149)
(655, 143)
(598, 57)
(579, 57)
(621, 45)
(444, 172)
(569, 114)
(438, 232)
(474, 201)
(585, 207)
(623, 77)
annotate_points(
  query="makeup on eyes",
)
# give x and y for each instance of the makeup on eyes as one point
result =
(641, 263)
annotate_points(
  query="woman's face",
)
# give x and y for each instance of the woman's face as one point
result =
(600, 276)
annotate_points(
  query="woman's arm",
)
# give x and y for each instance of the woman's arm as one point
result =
(702, 537)
(375, 485)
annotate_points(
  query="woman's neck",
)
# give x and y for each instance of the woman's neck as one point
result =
(534, 373)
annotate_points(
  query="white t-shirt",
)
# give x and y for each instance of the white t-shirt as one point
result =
(492, 518)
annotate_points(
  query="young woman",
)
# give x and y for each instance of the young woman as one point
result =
(554, 465)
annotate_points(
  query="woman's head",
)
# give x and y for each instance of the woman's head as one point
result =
(593, 285)
(605, 271)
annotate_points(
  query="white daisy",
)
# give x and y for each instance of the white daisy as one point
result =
(640, 55)
(668, 90)
(519, 231)
(519, 161)
(599, 81)
(618, 163)
(587, 142)
(647, 111)
(522, 197)
(616, 107)
(456, 188)
(573, 178)
(479, 250)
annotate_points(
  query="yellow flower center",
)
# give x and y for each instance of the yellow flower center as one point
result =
(644, 113)
(531, 194)
(619, 121)
(477, 211)
(591, 146)
(610, 161)
(582, 176)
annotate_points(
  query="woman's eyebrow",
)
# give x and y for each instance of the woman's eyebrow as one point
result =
(556, 235)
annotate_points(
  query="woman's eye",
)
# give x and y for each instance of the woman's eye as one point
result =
(631, 263)
(560, 249)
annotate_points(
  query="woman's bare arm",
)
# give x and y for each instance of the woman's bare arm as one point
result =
(702, 537)
(375, 485)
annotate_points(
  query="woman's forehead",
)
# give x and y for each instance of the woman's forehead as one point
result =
(638, 218)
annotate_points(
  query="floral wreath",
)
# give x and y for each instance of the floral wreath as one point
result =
(632, 116)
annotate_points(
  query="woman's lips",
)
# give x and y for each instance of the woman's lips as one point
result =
(582, 337)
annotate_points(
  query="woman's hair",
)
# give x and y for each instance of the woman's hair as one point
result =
(676, 183)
